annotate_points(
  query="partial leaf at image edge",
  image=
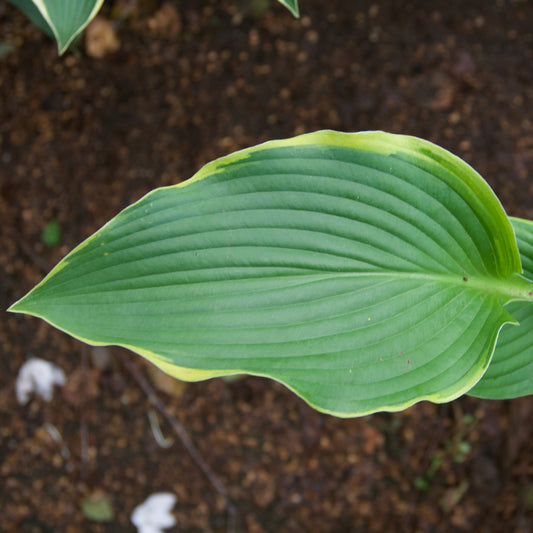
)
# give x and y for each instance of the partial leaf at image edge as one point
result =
(510, 373)
(365, 272)
(29, 8)
(67, 19)
(292, 6)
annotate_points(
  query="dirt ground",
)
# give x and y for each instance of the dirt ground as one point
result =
(183, 82)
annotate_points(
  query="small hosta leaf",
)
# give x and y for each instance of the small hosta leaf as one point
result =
(364, 271)
(65, 18)
(29, 8)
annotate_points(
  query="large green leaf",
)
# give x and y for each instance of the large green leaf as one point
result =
(66, 19)
(292, 6)
(510, 373)
(364, 271)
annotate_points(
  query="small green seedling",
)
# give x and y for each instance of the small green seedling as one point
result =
(364, 271)
(51, 235)
(97, 507)
(422, 483)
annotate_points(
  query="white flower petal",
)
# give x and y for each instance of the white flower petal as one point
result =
(164, 520)
(39, 376)
(154, 514)
(148, 529)
(58, 376)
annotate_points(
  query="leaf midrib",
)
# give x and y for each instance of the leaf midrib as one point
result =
(516, 287)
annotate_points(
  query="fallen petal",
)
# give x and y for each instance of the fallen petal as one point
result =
(38, 376)
(154, 514)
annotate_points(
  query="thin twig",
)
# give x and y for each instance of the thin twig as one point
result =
(185, 439)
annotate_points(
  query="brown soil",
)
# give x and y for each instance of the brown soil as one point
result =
(82, 137)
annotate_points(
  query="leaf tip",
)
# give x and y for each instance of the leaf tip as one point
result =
(17, 306)
(22, 305)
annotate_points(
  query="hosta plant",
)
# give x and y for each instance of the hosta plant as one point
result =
(364, 271)
(64, 20)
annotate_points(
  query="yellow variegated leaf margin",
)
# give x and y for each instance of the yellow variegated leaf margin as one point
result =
(510, 373)
(364, 271)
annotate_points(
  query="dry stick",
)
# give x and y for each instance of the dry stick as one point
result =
(185, 439)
